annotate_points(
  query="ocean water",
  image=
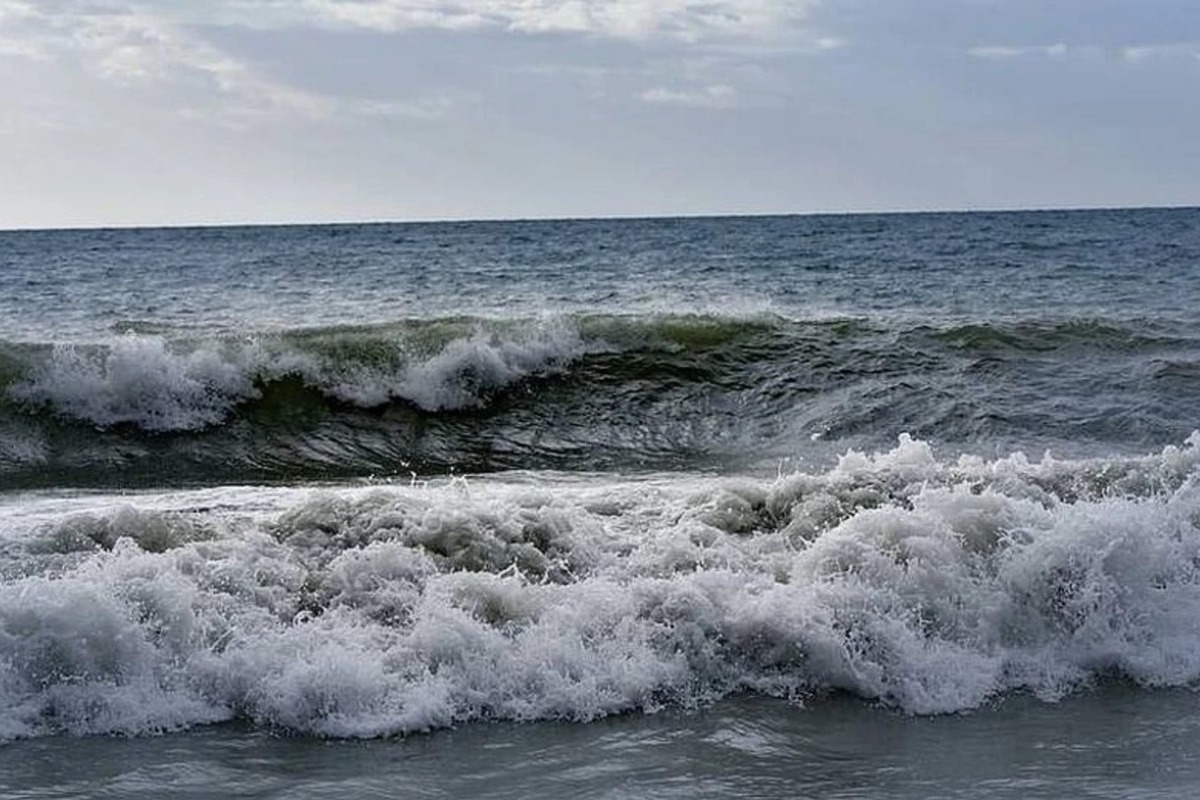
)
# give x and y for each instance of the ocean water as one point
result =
(835, 506)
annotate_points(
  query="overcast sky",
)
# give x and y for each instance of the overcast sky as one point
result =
(179, 111)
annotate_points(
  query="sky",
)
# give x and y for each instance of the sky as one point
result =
(129, 112)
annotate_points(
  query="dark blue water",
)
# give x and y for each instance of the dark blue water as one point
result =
(364, 481)
(1117, 265)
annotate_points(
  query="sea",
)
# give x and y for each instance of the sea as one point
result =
(839, 506)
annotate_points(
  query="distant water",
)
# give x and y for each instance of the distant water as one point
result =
(767, 489)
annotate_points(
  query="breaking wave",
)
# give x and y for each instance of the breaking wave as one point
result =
(927, 585)
(575, 391)
(156, 385)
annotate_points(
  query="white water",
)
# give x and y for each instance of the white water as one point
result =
(159, 385)
(929, 586)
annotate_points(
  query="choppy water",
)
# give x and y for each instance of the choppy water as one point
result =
(363, 481)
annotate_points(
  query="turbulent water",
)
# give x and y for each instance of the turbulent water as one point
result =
(359, 481)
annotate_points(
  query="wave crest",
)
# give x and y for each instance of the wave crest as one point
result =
(139, 381)
(160, 386)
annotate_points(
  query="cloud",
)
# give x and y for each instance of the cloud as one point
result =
(1005, 52)
(1130, 54)
(638, 20)
(171, 51)
(22, 49)
(995, 52)
(15, 9)
(140, 44)
(715, 96)
(1137, 53)
(15, 19)
(135, 46)
(688, 21)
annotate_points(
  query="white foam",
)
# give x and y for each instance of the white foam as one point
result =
(468, 370)
(139, 380)
(158, 385)
(926, 585)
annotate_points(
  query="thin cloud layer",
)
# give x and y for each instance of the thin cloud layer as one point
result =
(133, 43)
(1005, 52)
(137, 45)
(1130, 54)
(1138, 53)
(716, 96)
(637, 20)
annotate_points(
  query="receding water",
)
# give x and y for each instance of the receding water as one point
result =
(1115, 742)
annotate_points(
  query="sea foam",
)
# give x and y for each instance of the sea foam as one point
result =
(138, 380)
(161, 385)
(927, 585)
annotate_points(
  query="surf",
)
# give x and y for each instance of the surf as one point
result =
(931, 585)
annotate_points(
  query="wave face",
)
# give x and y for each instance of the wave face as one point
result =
(655, 391)
(928, 585)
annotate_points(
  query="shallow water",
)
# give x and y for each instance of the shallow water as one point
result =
(1114, 742)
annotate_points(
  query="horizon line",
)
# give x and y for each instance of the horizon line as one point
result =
(617, 217)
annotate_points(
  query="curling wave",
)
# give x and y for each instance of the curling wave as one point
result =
(575, 391)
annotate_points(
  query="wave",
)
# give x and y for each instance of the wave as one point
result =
(158, 386)
(931, 586)
(578, 391)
